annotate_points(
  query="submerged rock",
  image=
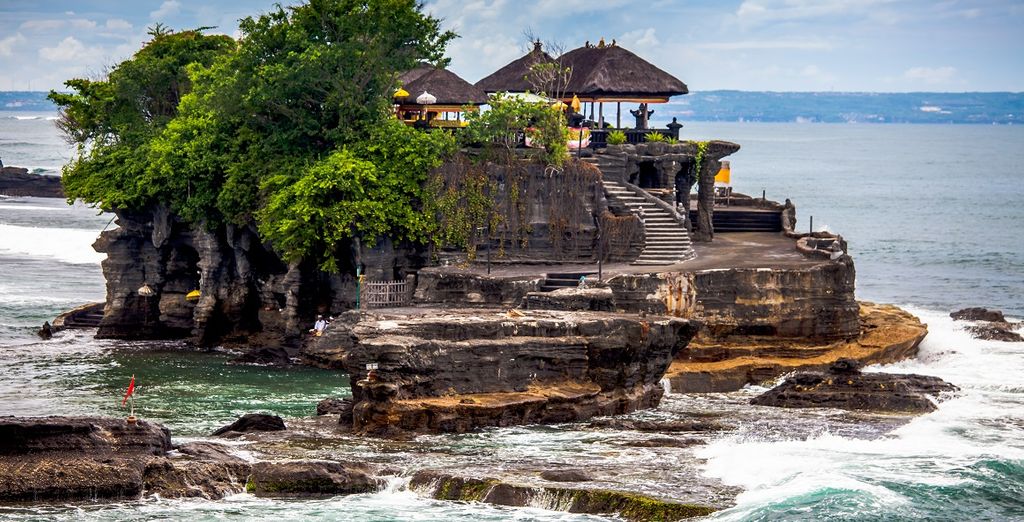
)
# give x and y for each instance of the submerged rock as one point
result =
(253, 422)
(677, 426)
(274, 356)
(630, 506)
(978, 314)
(201, 469)
(995, 332)
(310, 478)
(844, 387)
(565, 475)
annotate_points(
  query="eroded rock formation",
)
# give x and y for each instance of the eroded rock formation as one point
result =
(844, 386)
(460, 370)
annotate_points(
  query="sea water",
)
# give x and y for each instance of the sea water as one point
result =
(932, 214)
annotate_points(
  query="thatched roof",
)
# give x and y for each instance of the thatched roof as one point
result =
(609, 71)
(514, 77)
(446, 86)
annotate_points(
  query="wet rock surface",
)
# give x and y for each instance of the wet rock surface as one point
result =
(991, 325)
(75, 458)
(886, 334)
(266, 356)
(978, 314)
(566, 475)
(629, 506)
(19, 182)
(845, 387)
(465, 369)
(310, 478)
(334, 406)
(252, 422)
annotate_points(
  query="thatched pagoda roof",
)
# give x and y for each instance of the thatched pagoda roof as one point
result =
(514, 77)
(446, 86)
(610, 72)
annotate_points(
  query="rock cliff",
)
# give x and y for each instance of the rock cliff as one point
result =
(460, 370)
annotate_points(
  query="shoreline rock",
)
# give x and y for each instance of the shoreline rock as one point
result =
(843, 386)
(887, 334)
(252, 422)
(19, 182)
(630, 506)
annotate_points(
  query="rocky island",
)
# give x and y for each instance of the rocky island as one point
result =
(474, 276)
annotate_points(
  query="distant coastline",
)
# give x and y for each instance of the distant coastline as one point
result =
(987, 108)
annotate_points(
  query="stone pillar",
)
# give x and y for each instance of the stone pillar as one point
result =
(705, 230)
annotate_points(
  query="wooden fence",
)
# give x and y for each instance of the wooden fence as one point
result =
(385, 294)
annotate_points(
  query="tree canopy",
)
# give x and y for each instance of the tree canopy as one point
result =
(288, 127)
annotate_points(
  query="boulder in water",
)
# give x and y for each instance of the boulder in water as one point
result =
(845, 387)
(310, 478)
(334, 406)
(995, 332)
(273, 356)
(252, 422)
(978, 314)
(565, 475)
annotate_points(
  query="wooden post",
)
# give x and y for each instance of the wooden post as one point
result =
(600, 116)
(618, 115)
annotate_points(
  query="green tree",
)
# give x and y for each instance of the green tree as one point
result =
(113, 120)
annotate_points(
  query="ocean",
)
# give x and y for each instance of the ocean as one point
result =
(932, 214)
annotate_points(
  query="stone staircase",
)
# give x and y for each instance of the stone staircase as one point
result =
(666, 241)
(555, 281)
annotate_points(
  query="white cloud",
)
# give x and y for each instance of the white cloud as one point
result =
(931, 75)
(118, 24)
(168, 8)
(69, 49)
(7, 44)
(41, 25)
(69, 13)
(758, 12)
(754, 45)
(640, 38)
(82, 23)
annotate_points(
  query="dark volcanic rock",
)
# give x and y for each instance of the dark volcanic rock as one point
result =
(565, 475)
(332, 405)
(978, 314)
(202, 469)
(845, 389)
(15, 181)
(460, 370)
(310, 478)
(680, 426)
(274, 356)
(24, 435)
(45, 332)
(253, 422)
(663, 442)
(75, 458)
(995, 332)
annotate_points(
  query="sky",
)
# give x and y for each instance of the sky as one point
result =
(756, 45)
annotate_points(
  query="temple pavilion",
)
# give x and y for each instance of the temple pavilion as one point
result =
(435, 97)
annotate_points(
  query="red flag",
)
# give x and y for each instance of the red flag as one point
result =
(131, 390)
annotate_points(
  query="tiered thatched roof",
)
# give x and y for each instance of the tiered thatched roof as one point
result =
(515, 77)
(611, 73)
(446, 86)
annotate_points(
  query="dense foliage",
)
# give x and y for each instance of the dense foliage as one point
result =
(288, 128)
(510, 116)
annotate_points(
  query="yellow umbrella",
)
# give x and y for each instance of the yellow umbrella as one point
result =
(575, 103)
(401, 93)
(558, 105)
(192, 296)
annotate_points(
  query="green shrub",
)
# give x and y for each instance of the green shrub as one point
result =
(616, 137)
(654, 137)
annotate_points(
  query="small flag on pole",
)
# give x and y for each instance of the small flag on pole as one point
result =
(130, 391)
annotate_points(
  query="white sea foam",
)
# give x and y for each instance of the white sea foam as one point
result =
(63, 244)
(975, 425)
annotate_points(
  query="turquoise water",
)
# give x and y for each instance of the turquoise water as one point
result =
(932, 214)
